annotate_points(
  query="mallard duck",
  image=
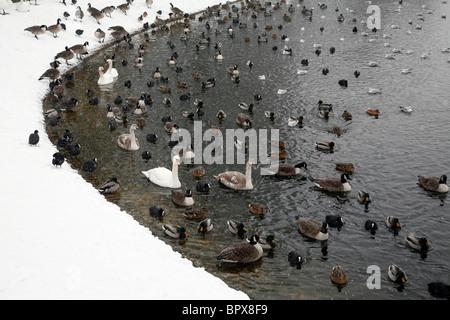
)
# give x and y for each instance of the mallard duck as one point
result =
(236, 227)
(246, 106)
(347, 115)
(182, 84)
(345, 166)
(205, 226)
(439, 289)
(334, 221)
(198, 172)
(434, 183)
(393, 223)
(182, 198)
(364, 198)
(109, 186)
(374, 90)
(322, 145)
(336, 130)
(324, 106)
(373, 112)
(174, 231)
(371, 226)
(295, 258)
(156, 212)
(420, 244)
(312, 228)
(396, 274)
(293, 121)
(256, 208)
(221, 115)
(242, 252)
(267, 243)
(339, 276)
(164, 89)
(286, 169)
(195, 214)
(324, 114)
(270, 115)
(334, 184)
(243, 120)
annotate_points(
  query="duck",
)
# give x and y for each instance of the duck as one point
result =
(322, 145)
(373, 112)
(111, 70)
(339, 276)
(396, 274)
(37, 30)
(243, 120)
(110, 186)
(237, 180)
(174, 231)
(233, 70)
(286, 169)
(236, 227)
(246, 106)
(221, 115)
(205, 226)
(157, 212)
(256, 208)
(267, 243)
(104, 79)
(434, 183)
(334, 221)
(420, 244)
(164, 89)
(374, 90)
(393, 223)
(439, 289)
(128, 141)
(364, 198)
(199, 172)
(293, 121)
(345, 166)
(182, 198)
(334, 184)
(371, 226)
(407, 109)
(270, 115)
(164, 177)
(295, 258)
(312, 228)
(195, 214)
(324, 114)
(347, 115)
(242, 252)
(324, 106)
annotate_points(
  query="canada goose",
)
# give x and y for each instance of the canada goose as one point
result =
(345, 166)
(286, 169)
(98, 15)
(174, 231)
(340, 18)
(90, 165)
(256, 208)
(79, 14)
(393, 223)
(157, 73)
(339, 276)
(322, 145)
(182, 198)
(109, 10)
(69, 105)
(175, 10)
(67, 55)
(205, 226)
(91, 9)
(364, 198)
(100, 35)
(58, 90)
(37, 30)
(396, 274)
(242, 252)
(334, 184)
(195, 214)
(56, 28)
(243, 120)
(52, 74)
(434, 183)
(236, 227)
(237, 180)
(109, 186)
(312, 228)
(80, 49)
(124, 7)
(33, 138)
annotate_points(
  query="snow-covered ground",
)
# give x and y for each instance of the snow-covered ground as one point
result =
(59, 238)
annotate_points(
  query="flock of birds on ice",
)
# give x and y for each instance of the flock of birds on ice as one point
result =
(252, 248)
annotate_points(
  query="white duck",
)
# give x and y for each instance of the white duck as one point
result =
(111, 70)
(128, 141)
(104, 79)
(237, 180)
(163, 177)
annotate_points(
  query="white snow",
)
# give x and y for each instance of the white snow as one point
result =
(59, 238)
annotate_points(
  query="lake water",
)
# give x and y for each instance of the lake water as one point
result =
(388, 152)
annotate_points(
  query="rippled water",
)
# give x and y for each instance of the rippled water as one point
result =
(388, 152)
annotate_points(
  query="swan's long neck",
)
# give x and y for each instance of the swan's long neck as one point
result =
(248, 176)
(133, 139)
(175, 172)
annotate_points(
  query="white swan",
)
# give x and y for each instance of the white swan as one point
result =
(163, 177)
(104, 78)
(237, 180)
(128, 141)
(23, 6)
(111, 70)
(5, 4)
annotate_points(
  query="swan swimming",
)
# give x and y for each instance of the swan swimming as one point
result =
(163, 177)
(111, 70)
(104, 78)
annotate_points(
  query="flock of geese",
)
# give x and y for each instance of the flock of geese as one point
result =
(252, 248)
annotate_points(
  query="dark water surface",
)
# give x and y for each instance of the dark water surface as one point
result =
(388, 152)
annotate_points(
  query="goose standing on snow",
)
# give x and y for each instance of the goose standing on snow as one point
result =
(242, 252)
(128, 141)
(237, 180)
(37, 30)
(434, 183)
(163, 177)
